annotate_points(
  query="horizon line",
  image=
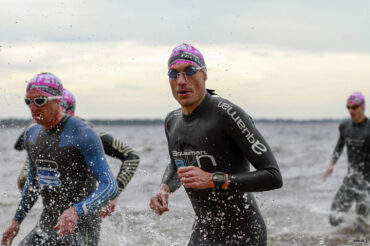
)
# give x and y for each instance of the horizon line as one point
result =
(22, 122)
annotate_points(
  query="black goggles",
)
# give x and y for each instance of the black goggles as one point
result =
(189, 71)
(353, 107)
(40, 101)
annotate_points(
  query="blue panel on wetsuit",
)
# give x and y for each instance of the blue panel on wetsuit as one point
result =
(179, 163)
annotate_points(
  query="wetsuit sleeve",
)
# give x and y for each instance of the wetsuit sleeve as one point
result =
(25, 168)
(19, 144)
(170, 176)
(24, 171)
(92, 150)
(256, 150)
(118, 149)
(30, 193)
(339, 147)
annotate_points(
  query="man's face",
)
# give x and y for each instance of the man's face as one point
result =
(356, 112)
(44, 114)
(189, 91)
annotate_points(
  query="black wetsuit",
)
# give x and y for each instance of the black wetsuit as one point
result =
(66, 164)
(19, 144)
(219, 136)
(356, 184)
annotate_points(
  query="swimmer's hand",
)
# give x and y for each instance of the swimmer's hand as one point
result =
(328, 171)
(21, 182)
(195, 178)
(159, 202)
(67, 222)
(108, 209)
(10, 234)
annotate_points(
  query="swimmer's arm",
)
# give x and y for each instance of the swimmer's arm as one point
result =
(256, 150)
(338, 148)
(19, 144)
(170, 177)
(92, 149)
(23, 174)
(336, 154)
(170, 183)
(30, 194)
(118, 149)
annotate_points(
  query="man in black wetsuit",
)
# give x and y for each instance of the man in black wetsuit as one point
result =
(112, 147)
(355, 134)
(67, 167)
(211, 144)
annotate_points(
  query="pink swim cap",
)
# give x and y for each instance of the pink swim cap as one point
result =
(356, 98)
(68, 102)
(46, 83)
(185, 53)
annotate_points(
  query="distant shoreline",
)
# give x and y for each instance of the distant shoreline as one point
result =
(17, 123)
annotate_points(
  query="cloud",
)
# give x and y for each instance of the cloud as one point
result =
(274, 58)
(311, 25)
(111, 75)
(293, 84)
(129, 80)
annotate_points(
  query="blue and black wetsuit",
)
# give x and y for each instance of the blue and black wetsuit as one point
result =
(220, 136)
(113, 147)
(356, 184)
(66, 164)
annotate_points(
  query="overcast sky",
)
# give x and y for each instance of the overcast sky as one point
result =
(275, 59)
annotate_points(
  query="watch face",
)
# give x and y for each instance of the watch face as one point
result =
(219, 177)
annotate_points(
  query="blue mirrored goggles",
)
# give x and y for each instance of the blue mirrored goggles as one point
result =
(189, 71)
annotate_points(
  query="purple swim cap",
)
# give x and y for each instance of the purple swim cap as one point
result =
(356, 98)
(68, 102)
(185, 53)
(46, 83)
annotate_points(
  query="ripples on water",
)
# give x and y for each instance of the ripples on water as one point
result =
(297, 214)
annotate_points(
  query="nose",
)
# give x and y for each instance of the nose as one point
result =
(181, 78)
(33, 106)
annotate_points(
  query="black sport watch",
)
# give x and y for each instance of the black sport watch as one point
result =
(219, 178)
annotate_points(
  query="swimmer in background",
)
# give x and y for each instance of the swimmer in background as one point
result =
(112, 147)
(355, 135)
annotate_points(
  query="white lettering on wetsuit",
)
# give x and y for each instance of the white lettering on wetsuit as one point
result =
(186, 161)
(256, 145)
(190, 152)
(355, 142)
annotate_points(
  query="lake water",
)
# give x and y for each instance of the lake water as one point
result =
(296, 214)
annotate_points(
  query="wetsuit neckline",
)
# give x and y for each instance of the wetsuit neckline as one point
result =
(198, 109)
(59, 126)
(361, 123)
